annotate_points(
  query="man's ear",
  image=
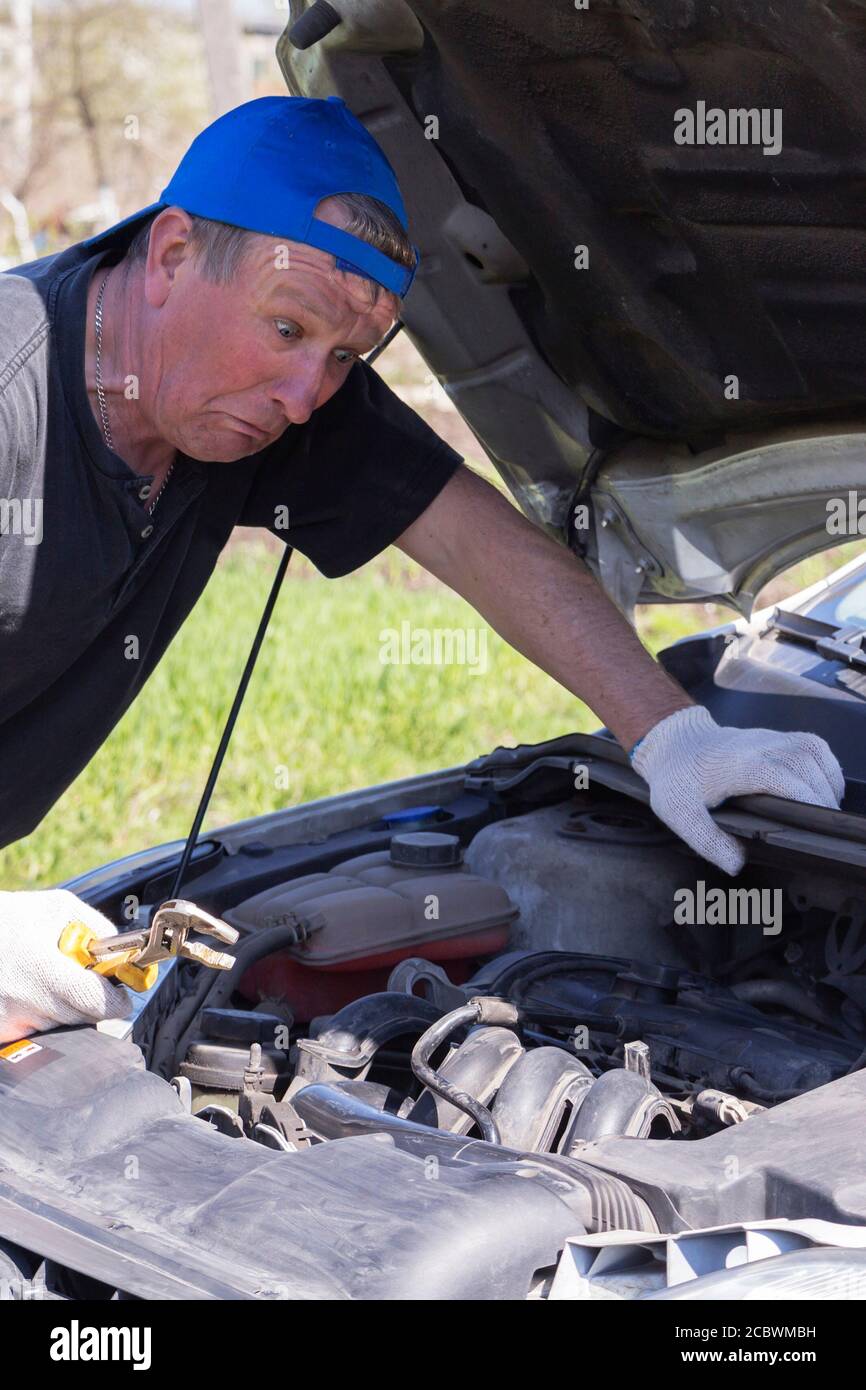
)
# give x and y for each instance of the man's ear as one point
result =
(168, 249)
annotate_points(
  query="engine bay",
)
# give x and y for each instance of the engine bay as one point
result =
(676, 1030)
(495, 986)
(540, 1050)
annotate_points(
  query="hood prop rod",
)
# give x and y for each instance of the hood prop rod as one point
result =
(235, 710)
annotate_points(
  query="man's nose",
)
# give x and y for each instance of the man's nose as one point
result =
(300, 391)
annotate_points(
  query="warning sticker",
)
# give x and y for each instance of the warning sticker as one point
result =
(17, 1051)
(19, 1060)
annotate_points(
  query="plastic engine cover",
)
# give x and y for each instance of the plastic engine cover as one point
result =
(209, 1216)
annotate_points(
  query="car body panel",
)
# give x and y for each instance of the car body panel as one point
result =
(522, 133)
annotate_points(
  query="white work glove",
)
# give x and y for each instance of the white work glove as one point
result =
(40, 987)
(691, 763)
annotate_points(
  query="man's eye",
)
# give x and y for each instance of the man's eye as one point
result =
(344, 355)
(287, 329)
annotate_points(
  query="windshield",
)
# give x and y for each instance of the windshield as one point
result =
(843, 605)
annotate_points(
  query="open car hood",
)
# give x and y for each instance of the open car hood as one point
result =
(667, 335)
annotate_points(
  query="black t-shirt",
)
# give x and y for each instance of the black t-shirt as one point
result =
(84, 567)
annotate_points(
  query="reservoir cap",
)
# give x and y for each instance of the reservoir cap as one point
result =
(426, 849)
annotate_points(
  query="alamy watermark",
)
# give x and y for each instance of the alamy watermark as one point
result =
(21, 516)
(438, 646)
(846, 516)
(729, 907)
(77, 1343)
(737, 126)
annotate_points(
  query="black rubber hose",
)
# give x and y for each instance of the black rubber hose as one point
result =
(475, 1011)
(563, 962)
(786, 994)
(213, 988)
(567, 964)
(740, 1078)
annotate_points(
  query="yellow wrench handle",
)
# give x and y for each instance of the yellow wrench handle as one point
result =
(75, 943)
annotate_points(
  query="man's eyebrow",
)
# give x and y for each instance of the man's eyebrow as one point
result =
(329, 317)
(320, 311)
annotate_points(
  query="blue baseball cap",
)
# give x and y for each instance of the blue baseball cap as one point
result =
(267, 165)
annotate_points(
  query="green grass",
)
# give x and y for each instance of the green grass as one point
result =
(323, 714)
(321, 706)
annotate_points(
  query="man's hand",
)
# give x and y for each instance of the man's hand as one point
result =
(692, 763)
(39, 986)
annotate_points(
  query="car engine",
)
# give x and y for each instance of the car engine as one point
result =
(430, 1009)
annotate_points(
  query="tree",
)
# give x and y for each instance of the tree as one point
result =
(18, 125)
(117, 89)
(223, 37)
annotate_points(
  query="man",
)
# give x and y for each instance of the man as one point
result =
(198, 367)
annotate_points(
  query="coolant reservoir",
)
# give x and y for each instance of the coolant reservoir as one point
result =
(368, 913)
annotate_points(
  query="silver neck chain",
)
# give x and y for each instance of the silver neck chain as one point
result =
(161, 489)
(100, 389)
(101, 398)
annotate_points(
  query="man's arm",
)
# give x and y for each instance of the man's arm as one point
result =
(544, 602)
(547, 605)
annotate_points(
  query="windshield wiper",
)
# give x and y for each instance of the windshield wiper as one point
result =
(842, 644)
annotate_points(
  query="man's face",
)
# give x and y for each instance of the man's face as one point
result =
(235, 364)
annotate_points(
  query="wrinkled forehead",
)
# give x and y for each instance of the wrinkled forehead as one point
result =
(302, 271)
